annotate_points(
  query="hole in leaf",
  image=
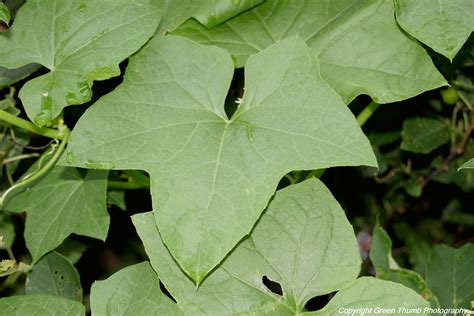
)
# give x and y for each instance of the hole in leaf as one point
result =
(273, 286)
(166, 292)
(62, 277)
(236, 91)
(56, 272)
(319, 302)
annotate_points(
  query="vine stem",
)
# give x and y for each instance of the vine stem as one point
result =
(27, 125)
(64, 135)
(367, 112)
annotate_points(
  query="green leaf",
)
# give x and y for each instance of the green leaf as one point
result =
(303, 241)
(463, 179)
(359, 44)
(380, 297)
(7, 231)
(11, 76)
(454, 213)
(387, 268)
(54, 275)
(62, 203)
(207, 12)
(467, 165)
(422, 135)
(134, 290)
(8, 267)
(79, 42)
(44, 305)
(443, 25)
(211, 176)
(117, 198)
(449, 275)
(4, 14)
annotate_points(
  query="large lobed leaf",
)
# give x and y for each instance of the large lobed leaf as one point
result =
(443, 25)
(359, 44)
(320, 255)
(78, 41)
(62, 203)
(212, 176)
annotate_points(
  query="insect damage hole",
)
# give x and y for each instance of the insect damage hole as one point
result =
(236, 91)
(319, 302)
(273, 286)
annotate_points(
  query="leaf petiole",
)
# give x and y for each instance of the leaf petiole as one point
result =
(27, 125)
(367, 112)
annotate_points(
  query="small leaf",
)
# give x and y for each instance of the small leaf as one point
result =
(62, 203)
(11, 266)
(7, 231)
(4, 14)
(44, 305)
(443, 25)
(54, 275)
(422, 135)
(360, 46)
(449, 275)
(467, 165)
(117, 198)
(208, 12)
(306, 224)
(168, 119)
(79, 42)
(413, 187)
(387, 268)
(133, 290)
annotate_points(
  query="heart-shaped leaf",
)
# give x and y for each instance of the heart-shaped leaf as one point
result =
(443, 25)
(62, 203)
(79, 41)
(359, 44)
(212, 176)
(307, 225)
